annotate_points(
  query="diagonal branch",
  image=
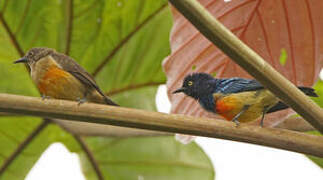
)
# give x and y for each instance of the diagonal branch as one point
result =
(11, 35)
(69, 26)
(119, 116)
(90, 156)
(132, 87)
(250, 61)
(126, 39)
(23, 145)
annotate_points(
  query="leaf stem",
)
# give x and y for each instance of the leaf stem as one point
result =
(23, 145)
(125, 40)
(90, 156)
(11, 35)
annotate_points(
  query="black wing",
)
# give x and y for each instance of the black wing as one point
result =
(236, 85)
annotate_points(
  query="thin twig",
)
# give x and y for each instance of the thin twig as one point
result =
(119, 116)
(11, 35)
(23, 145)
(125, 40)
(90, 156)
(220, 36)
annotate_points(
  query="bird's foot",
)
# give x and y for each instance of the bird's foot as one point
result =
(81, 101)
(235, 120)
(266, 108)
(262, 123)
(44, 97)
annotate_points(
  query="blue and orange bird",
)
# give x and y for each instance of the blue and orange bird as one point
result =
(236, 99)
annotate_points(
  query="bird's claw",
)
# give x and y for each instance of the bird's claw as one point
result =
(44, 97)
(236, 122)
(81, 101)
(261, 123)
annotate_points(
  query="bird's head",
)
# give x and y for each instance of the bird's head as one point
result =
(197, 85)
(35, 54)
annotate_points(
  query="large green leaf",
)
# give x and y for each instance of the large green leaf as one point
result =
(155, 158)
(122, 43)
(13, 131)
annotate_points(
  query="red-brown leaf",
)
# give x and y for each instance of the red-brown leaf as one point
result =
(267, 26)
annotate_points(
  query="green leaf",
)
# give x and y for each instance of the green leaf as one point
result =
(317, 160)
(283, 57)
(14, 131)
(193, 67)
(214, 74)
(122, 43)
(152, 158)
(319, 90)
(145, 95)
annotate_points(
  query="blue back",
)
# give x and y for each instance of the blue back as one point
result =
(236, 85)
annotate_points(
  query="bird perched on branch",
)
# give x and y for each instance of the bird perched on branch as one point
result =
(236, 99)
(59, 76)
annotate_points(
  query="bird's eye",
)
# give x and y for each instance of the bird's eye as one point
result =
(190, 83)
(31, 53)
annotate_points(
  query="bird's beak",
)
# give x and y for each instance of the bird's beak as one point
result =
(182, 89)
(21, 60)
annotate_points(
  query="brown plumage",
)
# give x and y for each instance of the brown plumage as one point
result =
(59, 76)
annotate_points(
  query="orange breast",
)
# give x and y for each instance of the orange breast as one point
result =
(226, 107)
(52, 81)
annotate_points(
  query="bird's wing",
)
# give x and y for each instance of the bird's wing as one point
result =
(236, 85)
(71, 66)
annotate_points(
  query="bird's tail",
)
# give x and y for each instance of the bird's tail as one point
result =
(99, 97)
(109, 101)
(280, 105)
(308, 91)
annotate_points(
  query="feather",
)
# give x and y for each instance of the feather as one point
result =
(236, 85)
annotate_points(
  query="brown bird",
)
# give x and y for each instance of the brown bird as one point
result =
(59, 76)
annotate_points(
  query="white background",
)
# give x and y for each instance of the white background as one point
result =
(231, 160)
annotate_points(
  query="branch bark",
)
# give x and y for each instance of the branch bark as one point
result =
(250, 61)
(295, 124)
(119, 116)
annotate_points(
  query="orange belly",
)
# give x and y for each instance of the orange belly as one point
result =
(226, 108)
(60, 84)
(229, 106)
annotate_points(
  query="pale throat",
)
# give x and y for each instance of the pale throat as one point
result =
(39, 68)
